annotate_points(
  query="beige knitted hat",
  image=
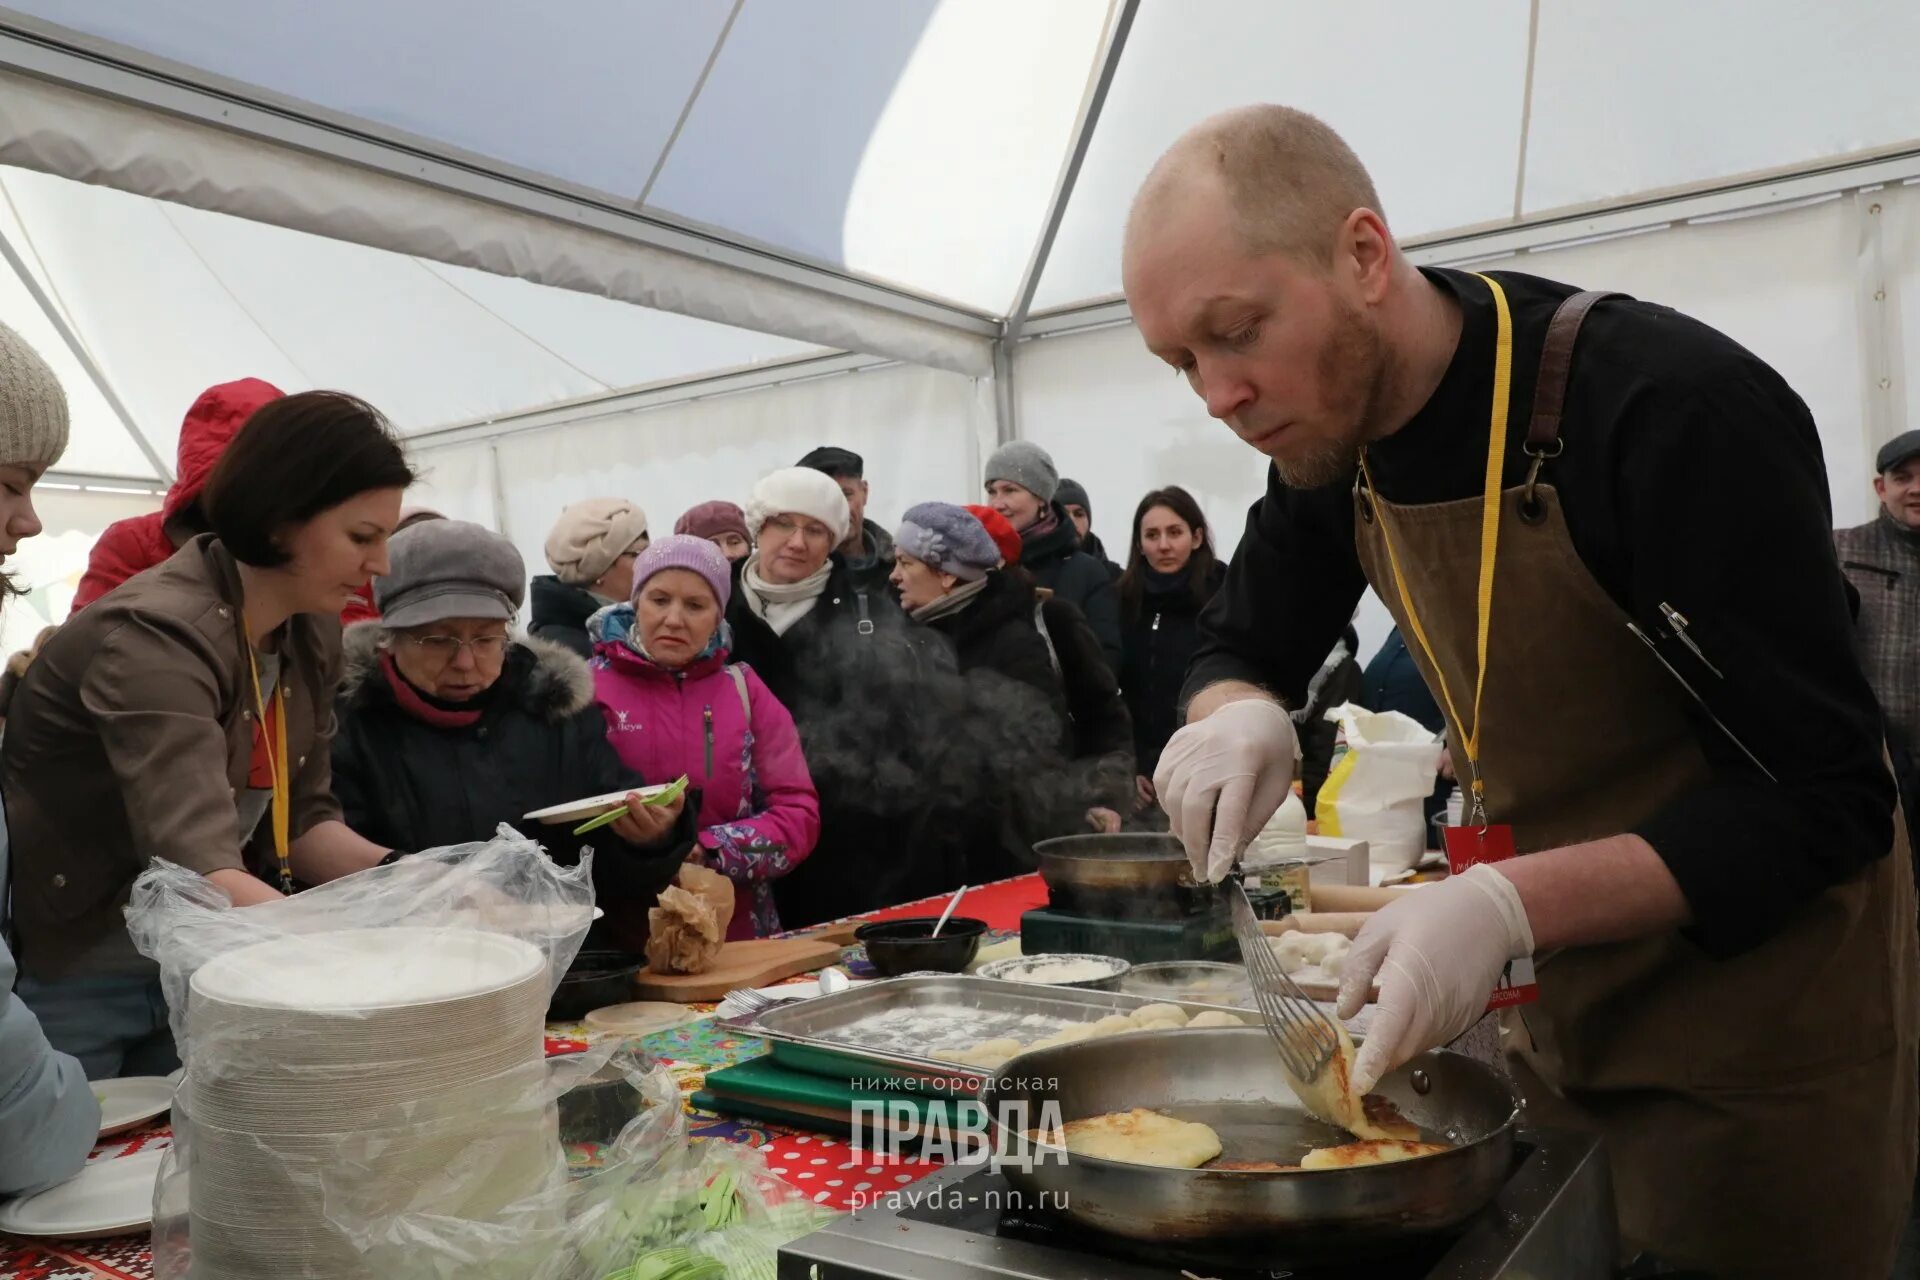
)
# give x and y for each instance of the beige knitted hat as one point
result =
(589, 536)
(33, 408)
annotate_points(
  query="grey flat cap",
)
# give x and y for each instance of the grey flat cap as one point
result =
(442, 569)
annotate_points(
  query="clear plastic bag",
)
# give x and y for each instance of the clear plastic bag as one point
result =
(364, 1062)
(365, 1092)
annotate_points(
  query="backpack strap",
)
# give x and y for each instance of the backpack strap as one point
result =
(738, 672)
(1040, 625)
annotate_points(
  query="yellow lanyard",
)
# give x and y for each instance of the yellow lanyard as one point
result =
(276, 759)
(1489, 549)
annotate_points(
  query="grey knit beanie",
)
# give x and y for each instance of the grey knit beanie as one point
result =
(1072, 493)
(1027, 465)
(33, 407)
(949, 538)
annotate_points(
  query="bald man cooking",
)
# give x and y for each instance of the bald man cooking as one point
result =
(1520, 470)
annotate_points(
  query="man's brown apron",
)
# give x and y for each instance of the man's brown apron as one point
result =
(1760, 1111)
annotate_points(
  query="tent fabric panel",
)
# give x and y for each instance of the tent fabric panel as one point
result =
(587, 92)
(918, 430)
(1639, 96)
(1435, 116)
(615, 344)
(77, 135)
(1784, 285)
(98, 443)
(916, 142)
(1899, 311)
(49, 566)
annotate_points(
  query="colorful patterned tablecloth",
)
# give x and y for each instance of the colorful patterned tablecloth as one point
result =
(823, 1167)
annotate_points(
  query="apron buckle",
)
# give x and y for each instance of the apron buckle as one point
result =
(1532, 510)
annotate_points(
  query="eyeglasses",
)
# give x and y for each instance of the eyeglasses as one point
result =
(441, 650)
(815, 533)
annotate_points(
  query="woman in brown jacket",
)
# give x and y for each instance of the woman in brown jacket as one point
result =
(187, 716)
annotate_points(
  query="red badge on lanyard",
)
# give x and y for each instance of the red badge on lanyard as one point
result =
(1476, 840)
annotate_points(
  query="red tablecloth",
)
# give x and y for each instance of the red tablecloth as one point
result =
(818, 1165)
(1000, 904)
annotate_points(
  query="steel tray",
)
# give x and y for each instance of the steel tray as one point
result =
(883, 1031)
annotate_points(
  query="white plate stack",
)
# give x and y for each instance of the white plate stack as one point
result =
(403, 1066)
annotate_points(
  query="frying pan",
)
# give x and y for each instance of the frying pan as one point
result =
(1230, 1078)
(1128, 876)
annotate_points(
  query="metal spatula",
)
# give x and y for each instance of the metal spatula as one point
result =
(1304, 1035)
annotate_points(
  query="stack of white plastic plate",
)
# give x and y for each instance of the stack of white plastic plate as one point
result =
(346, 1076)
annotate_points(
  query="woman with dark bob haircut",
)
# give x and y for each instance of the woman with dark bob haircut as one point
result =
(187, 715)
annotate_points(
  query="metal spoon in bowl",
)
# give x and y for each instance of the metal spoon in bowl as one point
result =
(948, 913)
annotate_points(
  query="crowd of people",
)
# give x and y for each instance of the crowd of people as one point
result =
(283, 676)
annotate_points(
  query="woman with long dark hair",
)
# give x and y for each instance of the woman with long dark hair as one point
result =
(1171, 573)
(187, 715)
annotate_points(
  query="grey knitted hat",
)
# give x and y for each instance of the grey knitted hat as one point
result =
(1027, 465)
(1072, 493)
(441, 569)
(949, 538)
(33, 407)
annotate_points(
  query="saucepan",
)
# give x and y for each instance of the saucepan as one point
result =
(1135, 875)
(1229, 1078)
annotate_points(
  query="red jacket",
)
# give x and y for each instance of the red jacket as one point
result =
(137, 544)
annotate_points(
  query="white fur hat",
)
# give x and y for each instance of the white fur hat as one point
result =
(801, 491)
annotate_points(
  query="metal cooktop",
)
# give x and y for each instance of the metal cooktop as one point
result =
(1553, 1217)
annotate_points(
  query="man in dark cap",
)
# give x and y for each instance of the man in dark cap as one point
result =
(1882, 560)
(1073, 496)
(868, 549)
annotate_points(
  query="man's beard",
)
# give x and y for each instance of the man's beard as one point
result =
(1352, 371)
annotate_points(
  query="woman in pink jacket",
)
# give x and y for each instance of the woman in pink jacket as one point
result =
(675, 705)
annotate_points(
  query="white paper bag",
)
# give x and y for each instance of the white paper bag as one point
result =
(1374, 791)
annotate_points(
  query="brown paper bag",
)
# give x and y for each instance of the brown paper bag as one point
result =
(689, 925)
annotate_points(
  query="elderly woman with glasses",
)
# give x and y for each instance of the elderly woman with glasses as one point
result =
(449, 725)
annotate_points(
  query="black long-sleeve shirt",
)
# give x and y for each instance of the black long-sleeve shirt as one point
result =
(1692, 474)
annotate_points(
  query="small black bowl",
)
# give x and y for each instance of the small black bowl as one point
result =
(901, 946)
(594, 980)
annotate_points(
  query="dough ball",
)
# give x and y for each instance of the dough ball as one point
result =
(1295, 951)
(1334, 963)
(1070, 1034)
(1005, 1046)
(1156, 1016)
(1111, 1025)
(1330, 946)
(1216, 1018)
(951, 1055)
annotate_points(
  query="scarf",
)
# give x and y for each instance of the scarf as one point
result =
(1049, 521)
(951, 603)
(1903, 535)
(1166, 584)
(783, 604)
(428, 709)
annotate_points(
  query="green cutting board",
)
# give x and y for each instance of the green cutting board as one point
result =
(762, 1089)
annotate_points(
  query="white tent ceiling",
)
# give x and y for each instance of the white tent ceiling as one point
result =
(877, 176)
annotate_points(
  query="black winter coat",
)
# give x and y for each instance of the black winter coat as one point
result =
(1008, 741)
(996, 633)
(560, 613)
(1057, 563)
(540, 741)
(1092, 545)
(862, 686)
(1160, 638)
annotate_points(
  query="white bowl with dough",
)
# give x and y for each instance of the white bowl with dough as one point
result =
(1060, 969)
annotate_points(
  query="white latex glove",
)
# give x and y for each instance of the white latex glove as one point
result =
(1437, 953)
(1221, 779)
